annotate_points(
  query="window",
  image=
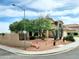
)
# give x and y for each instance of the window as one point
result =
(75, 34)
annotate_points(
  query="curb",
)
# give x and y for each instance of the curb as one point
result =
(62, 49)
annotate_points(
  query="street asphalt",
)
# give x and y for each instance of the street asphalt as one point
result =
(73, 54)
(5, 53)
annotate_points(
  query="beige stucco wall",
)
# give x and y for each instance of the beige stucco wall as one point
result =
(13, 40)
(65, 32)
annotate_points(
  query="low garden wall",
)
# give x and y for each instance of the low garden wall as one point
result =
(12, 39)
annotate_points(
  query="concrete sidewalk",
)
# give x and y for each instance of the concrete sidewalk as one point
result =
(60, 49)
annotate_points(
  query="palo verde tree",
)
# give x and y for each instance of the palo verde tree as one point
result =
(43, 24)
(14, 27)
(19, 26)
(39, 24)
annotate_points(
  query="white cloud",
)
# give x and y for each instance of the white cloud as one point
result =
(46, 4)
(64, 12)
(23, 2)
(76, 10)
(11, 13)
(39, 5)
(4, 27)
(70, 20)
(31, 13)
(5, 11)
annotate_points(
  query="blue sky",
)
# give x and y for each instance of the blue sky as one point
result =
(65, 10)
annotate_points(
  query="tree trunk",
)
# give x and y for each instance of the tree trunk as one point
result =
(47, 34)
(54, 43)
(27, 35)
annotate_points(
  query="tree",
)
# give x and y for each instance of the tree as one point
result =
(43, 24)
(24, 25)
(20, 26)
(58, 31)
(14, 27)
(40, 25)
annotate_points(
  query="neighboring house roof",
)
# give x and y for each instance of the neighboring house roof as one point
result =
(71, 27)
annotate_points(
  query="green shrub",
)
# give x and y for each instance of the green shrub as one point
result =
(75, 34)
(68, 33)
(69, 38)
(32, 37)
(2, 34)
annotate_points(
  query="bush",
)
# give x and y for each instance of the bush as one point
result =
(75, 34)
(68, 33)
(2, 34)
(69, 38)
(32, 37)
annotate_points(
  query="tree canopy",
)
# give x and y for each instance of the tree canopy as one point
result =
(31, 25)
